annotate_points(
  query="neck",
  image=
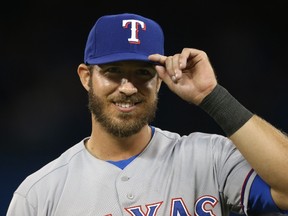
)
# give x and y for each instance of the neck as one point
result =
(105, 146)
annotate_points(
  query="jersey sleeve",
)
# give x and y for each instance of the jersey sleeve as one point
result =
(234, 175)
(260, 199)
(20, 206)
(238, 181)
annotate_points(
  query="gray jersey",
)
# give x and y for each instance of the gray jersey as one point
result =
(199, 174)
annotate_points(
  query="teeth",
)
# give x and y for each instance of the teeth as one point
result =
(124, 105)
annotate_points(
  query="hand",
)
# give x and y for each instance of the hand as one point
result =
(188, 74)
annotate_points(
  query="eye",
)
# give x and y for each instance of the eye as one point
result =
(112, 70)
(145, 73)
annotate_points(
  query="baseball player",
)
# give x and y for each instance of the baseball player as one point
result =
(129, 167)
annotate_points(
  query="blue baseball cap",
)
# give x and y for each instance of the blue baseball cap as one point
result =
(123, 37)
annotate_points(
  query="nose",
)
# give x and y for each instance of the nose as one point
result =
(127, 87)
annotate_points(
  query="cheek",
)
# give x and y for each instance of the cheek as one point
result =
(149, 89)
(101, 81)
(107, 82)
(103, 85)
(152, 85)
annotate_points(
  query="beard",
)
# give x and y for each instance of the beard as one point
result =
(124, 124)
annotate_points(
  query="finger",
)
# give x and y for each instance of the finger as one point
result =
(192, 55)
(176, 68)
(167, 63)
(162, 73)
(157, 58)
(169, 66)
(186, 55)
(171, 63)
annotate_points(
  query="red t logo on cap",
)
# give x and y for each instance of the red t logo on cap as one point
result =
(134, 29)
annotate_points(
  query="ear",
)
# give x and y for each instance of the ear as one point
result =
(84, 75)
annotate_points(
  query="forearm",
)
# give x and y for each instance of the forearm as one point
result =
(263, 146)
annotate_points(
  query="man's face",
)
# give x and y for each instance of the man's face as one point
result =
(123, 96)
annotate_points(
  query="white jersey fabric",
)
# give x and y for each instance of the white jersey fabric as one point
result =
(198, 174)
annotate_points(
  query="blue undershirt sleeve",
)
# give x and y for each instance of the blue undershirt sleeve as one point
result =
(260, 199)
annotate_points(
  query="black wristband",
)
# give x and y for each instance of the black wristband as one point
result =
(228, 113)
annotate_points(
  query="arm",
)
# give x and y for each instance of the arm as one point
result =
(266, 149)
(190, 75)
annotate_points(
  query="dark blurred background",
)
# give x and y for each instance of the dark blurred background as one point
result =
(44, 106)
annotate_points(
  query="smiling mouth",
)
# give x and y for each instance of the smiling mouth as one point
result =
(126, 104)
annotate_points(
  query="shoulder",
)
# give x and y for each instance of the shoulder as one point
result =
(194, 142)
(194, 137)
(52, 171)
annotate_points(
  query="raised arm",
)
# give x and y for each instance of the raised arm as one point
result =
(190, 75)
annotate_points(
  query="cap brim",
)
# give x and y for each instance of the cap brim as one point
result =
(118, 57)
